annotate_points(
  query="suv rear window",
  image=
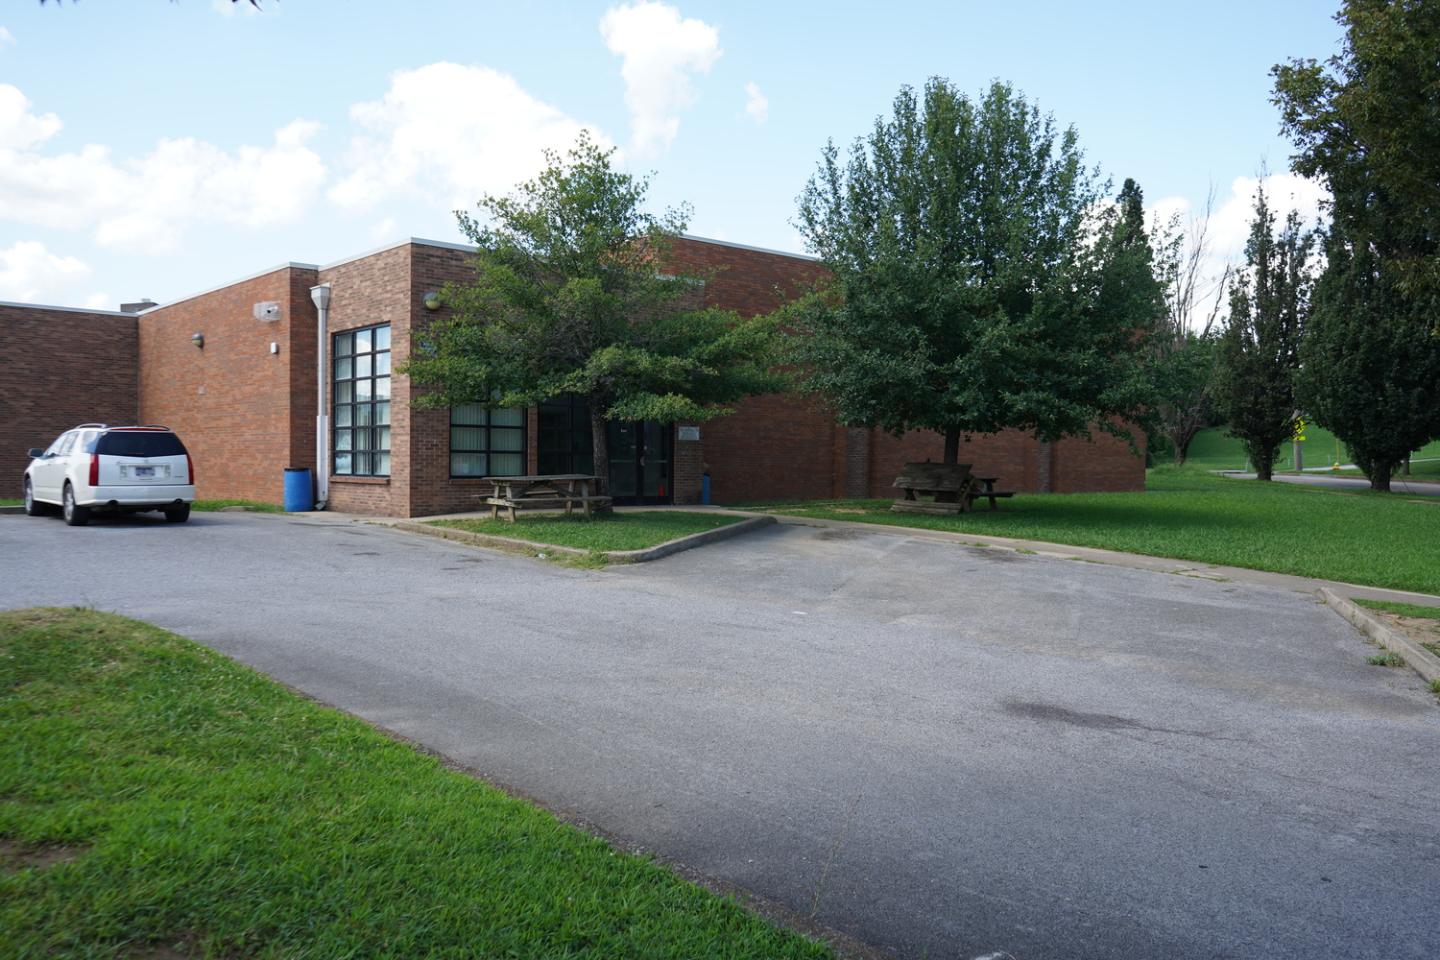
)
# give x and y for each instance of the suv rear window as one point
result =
(136, 443)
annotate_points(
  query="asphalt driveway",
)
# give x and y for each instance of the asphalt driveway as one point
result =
(944, 751)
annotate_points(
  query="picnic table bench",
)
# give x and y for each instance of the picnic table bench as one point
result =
(951, 487)
(551, 492)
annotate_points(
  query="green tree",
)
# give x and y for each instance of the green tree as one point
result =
(978, 281)
(1259, 352)
(1367, 123)
(574, 294)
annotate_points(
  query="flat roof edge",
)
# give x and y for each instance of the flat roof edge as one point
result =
(51, 306)
(289, 265)
(751, 247)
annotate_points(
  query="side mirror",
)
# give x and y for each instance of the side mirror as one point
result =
(36, 453)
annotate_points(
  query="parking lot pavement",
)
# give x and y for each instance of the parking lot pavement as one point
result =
(944, 751)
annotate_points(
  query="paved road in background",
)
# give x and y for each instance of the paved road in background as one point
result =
(1397, 484)
(944, 751)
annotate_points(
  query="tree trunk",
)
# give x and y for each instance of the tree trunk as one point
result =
(1380, 476)
(1265, 465)
(952, 445)
(1180, 445)
(600, 444)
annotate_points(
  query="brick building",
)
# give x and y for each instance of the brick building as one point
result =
(234, 371)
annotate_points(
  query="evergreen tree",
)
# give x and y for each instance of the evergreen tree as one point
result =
(1259, 353)
(1367, 123)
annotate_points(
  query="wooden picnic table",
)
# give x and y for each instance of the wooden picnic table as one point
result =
(545, 492)
(950, 487)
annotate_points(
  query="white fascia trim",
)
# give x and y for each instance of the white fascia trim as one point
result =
(746, 246)
(408, 241)
(47, 306)
(291, 265)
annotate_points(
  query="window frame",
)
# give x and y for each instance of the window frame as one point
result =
(354, 429)
(489, 450)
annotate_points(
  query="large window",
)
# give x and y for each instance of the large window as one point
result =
(362, 402)
(565, 439)
(486, 443)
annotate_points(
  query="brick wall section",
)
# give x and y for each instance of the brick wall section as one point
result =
(432, 489)
(233, 401)
(363, 293)
(61, 368)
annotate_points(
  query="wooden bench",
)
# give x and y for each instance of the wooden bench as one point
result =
(551, 492)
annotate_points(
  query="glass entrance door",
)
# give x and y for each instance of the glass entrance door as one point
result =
(640, 454)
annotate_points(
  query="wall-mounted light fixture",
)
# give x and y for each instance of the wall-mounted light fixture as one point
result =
(432, 300)
(198, 339)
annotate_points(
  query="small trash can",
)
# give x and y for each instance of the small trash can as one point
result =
(299, 490)
(705, 489)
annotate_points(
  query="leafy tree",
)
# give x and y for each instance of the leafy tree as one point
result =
(979, 283)
(1259, 353)
(1371, 362)
(1367, 123)
(573, 295)
(1184, 347)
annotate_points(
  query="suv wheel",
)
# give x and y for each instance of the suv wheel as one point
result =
(178, 513)
(75, 515)
(33, 507)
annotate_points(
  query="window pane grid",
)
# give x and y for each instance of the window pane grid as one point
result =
(361, 433)
(486, 443)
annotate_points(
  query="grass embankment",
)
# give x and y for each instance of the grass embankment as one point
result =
(600, 533)
(1213, 450)
(254, 505)
(160, 800)
(1353, 536)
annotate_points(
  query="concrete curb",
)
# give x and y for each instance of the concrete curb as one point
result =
(18, 508)
(531, 548)
(1422, 661)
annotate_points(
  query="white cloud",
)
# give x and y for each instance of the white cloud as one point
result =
(30, 273)
(6, 37)
(146, 203)
(451, 133)
(1228, 225)
(659, 53)
(757, 107)
(383, 230)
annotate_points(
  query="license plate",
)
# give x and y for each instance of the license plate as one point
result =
(144, 471)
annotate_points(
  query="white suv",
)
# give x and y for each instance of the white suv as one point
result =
(96, 468)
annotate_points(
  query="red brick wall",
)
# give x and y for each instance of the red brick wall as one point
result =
(233, 402)
(363, 293)
(60, 368)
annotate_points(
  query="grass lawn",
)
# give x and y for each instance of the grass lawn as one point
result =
(1213, 450)
(1358, 537)
(159, 800)
(1402, 609)
(8, 502)
(614, 531)
(251, 504)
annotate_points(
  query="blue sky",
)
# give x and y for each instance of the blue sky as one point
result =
(150, 148)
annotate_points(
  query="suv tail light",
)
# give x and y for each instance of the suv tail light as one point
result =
(190, 469)
(94, 469)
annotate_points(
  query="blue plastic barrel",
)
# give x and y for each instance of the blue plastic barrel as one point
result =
(299, 491)
(705, 489)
